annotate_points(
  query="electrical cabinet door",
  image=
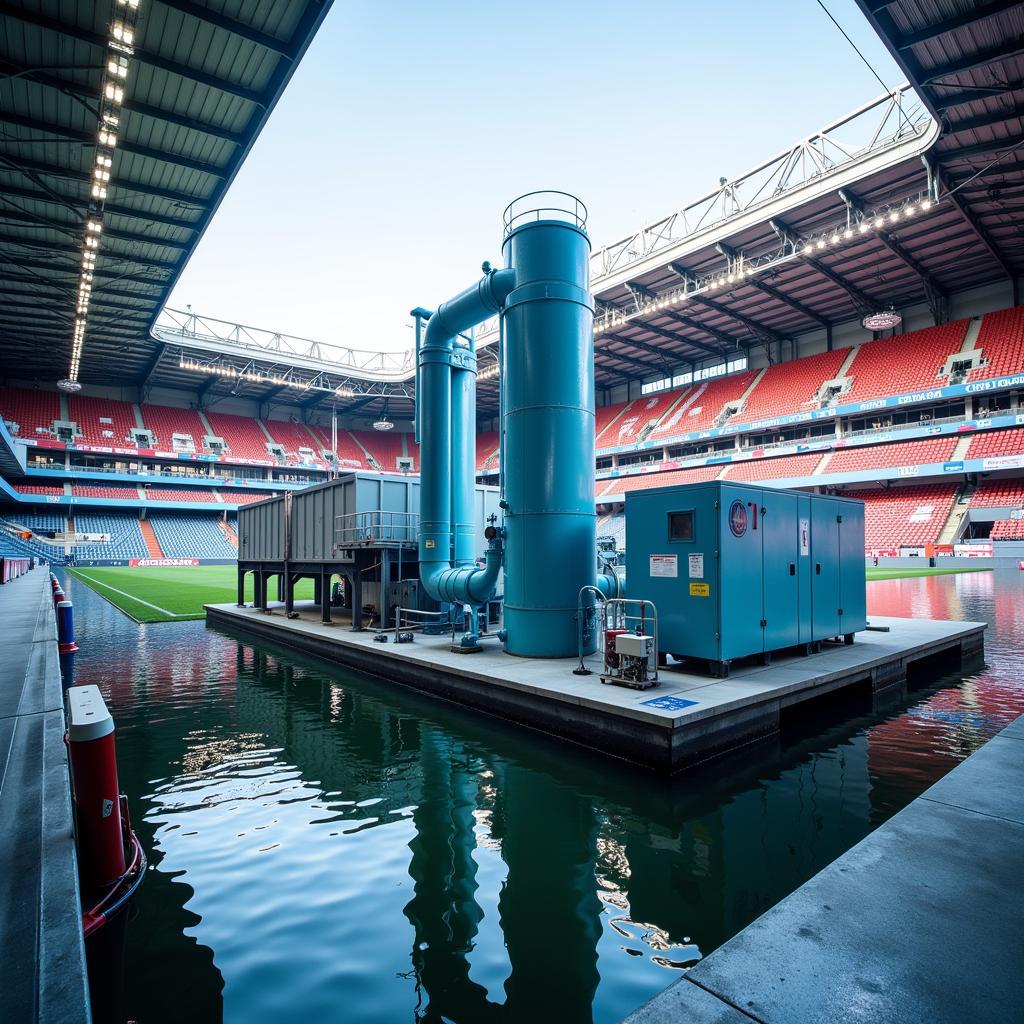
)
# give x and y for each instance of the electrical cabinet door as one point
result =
(780, 544)
(852, 579)
(804, 567)
(741, 600)
(825, 619)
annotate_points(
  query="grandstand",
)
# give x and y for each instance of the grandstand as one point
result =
(739, 351)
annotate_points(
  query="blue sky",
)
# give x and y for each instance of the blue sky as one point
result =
(379, 181)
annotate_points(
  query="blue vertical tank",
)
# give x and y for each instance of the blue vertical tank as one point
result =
(548, 418)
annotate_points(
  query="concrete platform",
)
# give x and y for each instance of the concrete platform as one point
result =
(687, 719)
(917, 924)
(42, 969)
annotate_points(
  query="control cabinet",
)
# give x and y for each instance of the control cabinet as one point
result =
(738, 569)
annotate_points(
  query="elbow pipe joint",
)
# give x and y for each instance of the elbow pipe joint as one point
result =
(465, 584)
(468, 308)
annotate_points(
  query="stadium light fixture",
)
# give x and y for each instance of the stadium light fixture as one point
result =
(120, 41)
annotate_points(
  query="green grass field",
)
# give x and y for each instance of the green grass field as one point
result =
(172, 594)
(178, 594)
(905, 573)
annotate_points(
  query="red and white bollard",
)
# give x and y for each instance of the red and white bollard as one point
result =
(97, 796)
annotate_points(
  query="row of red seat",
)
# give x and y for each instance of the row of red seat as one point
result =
(193, 495)
(905, 363)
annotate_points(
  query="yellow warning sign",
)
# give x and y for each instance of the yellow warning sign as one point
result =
(700, 590)
(429, 544)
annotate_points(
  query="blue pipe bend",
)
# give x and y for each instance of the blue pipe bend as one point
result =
(446, 485)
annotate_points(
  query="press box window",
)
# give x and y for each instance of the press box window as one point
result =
(680, 525)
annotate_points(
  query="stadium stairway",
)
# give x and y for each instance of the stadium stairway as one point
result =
(953, 527)
(971, 335)
(724, 416)
(960, 451)
(825, 460)
(152, 544)
(229, 533)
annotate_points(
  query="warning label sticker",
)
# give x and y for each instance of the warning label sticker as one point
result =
(697, 566)
(805, 536)
(665, 565)
(700, 590)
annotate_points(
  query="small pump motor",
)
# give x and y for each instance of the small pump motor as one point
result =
(632, 661)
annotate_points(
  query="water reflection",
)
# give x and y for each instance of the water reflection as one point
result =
(328, 847)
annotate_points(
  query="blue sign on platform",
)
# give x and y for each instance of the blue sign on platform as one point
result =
(669, 703)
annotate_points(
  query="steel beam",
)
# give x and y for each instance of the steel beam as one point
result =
(862, 302)
(905, 40)
(76, 250)
(936, 295)
(236, 28)
(75, 230)
(140, 54)
(976, 227)
(124, 146)
(132, 106)
(24, 166)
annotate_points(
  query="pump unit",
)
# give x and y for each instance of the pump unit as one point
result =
(738, 570)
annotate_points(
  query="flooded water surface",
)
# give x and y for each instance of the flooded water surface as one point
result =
(326, 847)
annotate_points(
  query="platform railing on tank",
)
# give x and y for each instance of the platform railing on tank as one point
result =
(544, 205)
(379, 527)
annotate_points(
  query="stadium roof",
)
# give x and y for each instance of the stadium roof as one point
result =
(202, 79)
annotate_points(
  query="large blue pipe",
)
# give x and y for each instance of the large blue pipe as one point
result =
(447, 419)
(550, 521)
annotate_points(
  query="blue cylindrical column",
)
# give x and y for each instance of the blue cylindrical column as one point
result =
(66, 628)
(463, 458)
(549, 436)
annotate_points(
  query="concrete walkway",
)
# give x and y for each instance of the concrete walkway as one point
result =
(42, 966)
(920, 922)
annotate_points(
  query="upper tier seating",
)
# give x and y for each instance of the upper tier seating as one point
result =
(790, 387)
(1001, 340)
(126, 540)
(39, 488)
(29, 414)
(350, 455)
(293, 436)
(123, 493)
(604, 416)
(164, 421)
(992, 443)
(886, 456)
(702, 403)
(486, 450)
(89, 414)
(245, 497)
(777, 468)
(905, 363)
(998, 494)
(642, 414)
(185, 536)
(1007, 529)
(384, 446)
(645, 481)
(905, 516)
(242, 435)
(197, 495)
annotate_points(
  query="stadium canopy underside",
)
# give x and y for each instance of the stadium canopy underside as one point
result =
(202, 80)
(911, 198)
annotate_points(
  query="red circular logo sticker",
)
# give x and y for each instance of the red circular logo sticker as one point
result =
(738, 518)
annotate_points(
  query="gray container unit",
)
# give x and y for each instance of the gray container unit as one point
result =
(302, 525)
(738, 569)
(261, 531)
(316, 510)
